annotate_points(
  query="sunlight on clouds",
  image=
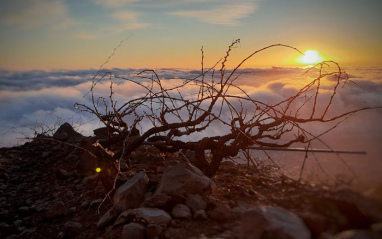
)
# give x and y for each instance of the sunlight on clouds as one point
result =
(229, 15)
(114, 3)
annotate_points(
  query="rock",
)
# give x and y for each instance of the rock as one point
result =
(272, 223)
(377, 227)
(72, 229)
(357, 234)
(17, 223)
(85, 204)
(95, 202)
(222, 213)
(131, 193)
(133, 231)
(152, 215)
(45, 154)
(200, 215)
(153, 231)
(181, 211)
(101, 133)
(66, 133)
(23, 211)
(39, 206)
(316, 223)
(161, 200)
(107, 218)
(57, 210)
(90, 179)
(195, 202)
(62, 174)
(122, 218)
(28, 233)
(183, 179)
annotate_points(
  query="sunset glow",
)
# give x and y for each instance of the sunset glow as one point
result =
(310, 57)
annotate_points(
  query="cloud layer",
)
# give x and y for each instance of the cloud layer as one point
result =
(33, 98)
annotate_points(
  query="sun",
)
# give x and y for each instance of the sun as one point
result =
(310, 57)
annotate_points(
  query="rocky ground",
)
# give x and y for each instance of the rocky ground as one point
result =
(50, 189)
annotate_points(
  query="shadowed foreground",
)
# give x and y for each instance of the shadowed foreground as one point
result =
(50, 189)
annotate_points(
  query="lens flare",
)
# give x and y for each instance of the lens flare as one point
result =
(98, 170)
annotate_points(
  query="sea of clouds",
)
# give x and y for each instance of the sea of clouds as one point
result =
(32, 101)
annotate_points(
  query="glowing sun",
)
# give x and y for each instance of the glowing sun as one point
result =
(310, 57)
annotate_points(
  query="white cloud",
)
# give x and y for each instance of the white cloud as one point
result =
(229, 14)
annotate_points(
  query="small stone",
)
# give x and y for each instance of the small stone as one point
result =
(28, 233)
(152, 215)
(200, 215)
(377, 227)
(133, 231)
(95, 202)
(195, 202)
(222, 213)
(181, 211)
(62, 174)
(357, 234)
(23, 211)
(45, 154)
(17, 223)
(153, 231)
(72, 229)
(90, 179)
(85, 204)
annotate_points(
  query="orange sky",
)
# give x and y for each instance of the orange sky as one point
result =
(68, 34)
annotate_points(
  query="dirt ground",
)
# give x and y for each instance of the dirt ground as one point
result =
(39, 174)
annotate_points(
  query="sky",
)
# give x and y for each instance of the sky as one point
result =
(52, 49)
(70, 34)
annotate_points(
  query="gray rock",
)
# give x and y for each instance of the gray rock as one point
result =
(183, 179)
(131, 193)
(153, 231)
(152, 215)
(107, 218)
(357, 234)
(222, 213)
(72, 229)
(95, 202)
(200, 215)
(45, 154)
(133, 231)
(160, 200)
(272, 223)
(181, 211)
(195, 202)
(90, 179)
(66, 133)
(123, 218)
(377, 227)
